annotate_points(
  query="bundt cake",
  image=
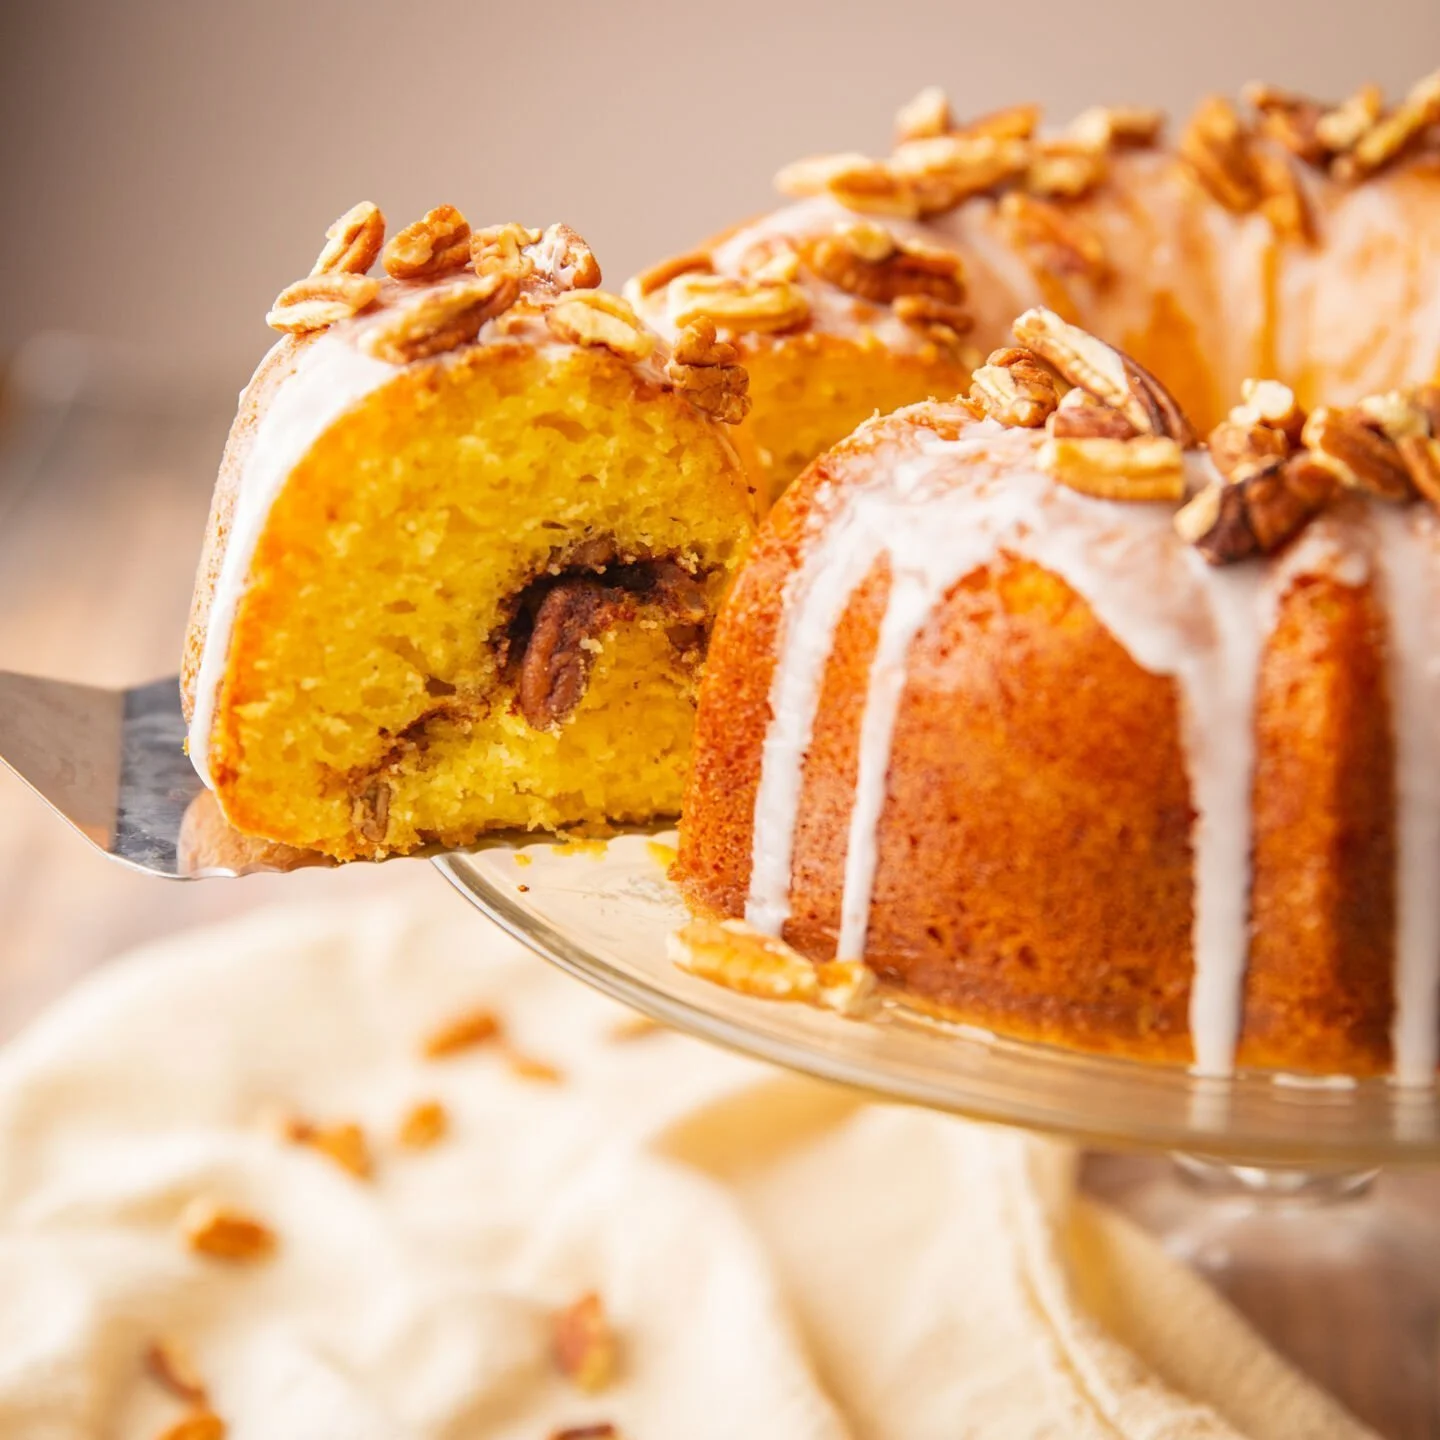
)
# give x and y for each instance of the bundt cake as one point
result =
(1077, 730)
(471, 525)
(1288, 239)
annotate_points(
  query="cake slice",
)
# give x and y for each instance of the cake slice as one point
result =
(471, 526)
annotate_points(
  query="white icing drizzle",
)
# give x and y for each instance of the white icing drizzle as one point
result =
(330, 377)
(940, 509)
(1410, 574)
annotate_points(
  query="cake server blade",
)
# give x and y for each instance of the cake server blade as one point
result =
(112, 763)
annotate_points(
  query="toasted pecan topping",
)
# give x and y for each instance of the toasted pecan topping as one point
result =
(660, 275)
(926, 115)
(1080, 416)
(740, 305)
(1355, 448)
(1014, 388)
(1063, 168)
(504, 248)
(567, 261)
(426, 1123)
(353, 242)
(584, 1344)
(170, 1365)
(321, 300)
(1340, 130)
(597, 318)
(707, 372)
(940, 322)
(1108, 127)
(864, 259)
(439, 319)
(1257, 513)
(1391, 135)
(463, 1032)
(1058, 240)
(213, 1229)
(1109, 375)
(1148, 467)
(435, 245)
(1219, 149)
(732, 954)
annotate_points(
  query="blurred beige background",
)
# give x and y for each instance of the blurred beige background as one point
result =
(168, 165)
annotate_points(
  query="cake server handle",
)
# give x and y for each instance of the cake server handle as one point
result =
(112, 763)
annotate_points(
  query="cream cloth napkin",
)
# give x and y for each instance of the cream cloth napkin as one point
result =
(779, 1259)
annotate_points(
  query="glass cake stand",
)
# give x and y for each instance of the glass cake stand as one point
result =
(1271, 1195)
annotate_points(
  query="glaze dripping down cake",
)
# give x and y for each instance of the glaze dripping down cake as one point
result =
(471, 527)
(1056, 759)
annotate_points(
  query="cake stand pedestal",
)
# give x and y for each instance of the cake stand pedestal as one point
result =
(1270, 1187)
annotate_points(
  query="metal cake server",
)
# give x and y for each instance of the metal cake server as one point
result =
(112, 763)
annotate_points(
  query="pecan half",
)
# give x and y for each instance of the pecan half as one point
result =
(766, 306)
(321, 300)
(866, 260)
(595, 317)
(1108, 374)
(1015, 389)
(1291, 120)
(434, 245)
(440, 319)
(706, 370)
(942, 172)
(1354, 447)
(1149, 467)
(503, 248)
(1341, 129)
(556, 666)
(353, 242)
(1117, 126)
(1258, 513)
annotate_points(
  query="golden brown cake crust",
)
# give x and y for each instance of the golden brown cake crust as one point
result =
(1035, 870)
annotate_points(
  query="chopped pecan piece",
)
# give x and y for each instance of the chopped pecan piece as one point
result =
(1015, 389)
(1258, 513)
(1392, 134)
(425, 1124)
(732, 954)
(1059, 240)
(1421, 455)
(926, 115)
(593, 317)
(1282, 201)
(1149, 467)
(1271, 404)
(939, 173)
(1218, 147)
(370, 812)
(321, 300)
(353, 241)
(1108, 374)
(464, 1032)
(1113, 127)
(584, 1344)
(432, 246)
(1342, 128)
(1080, 416)
(440, 319)
(1063, 168)
(1292, 120)
(216, 1230)
(1357, 451)
(937, 320)
(566, 260)
(707, 371)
